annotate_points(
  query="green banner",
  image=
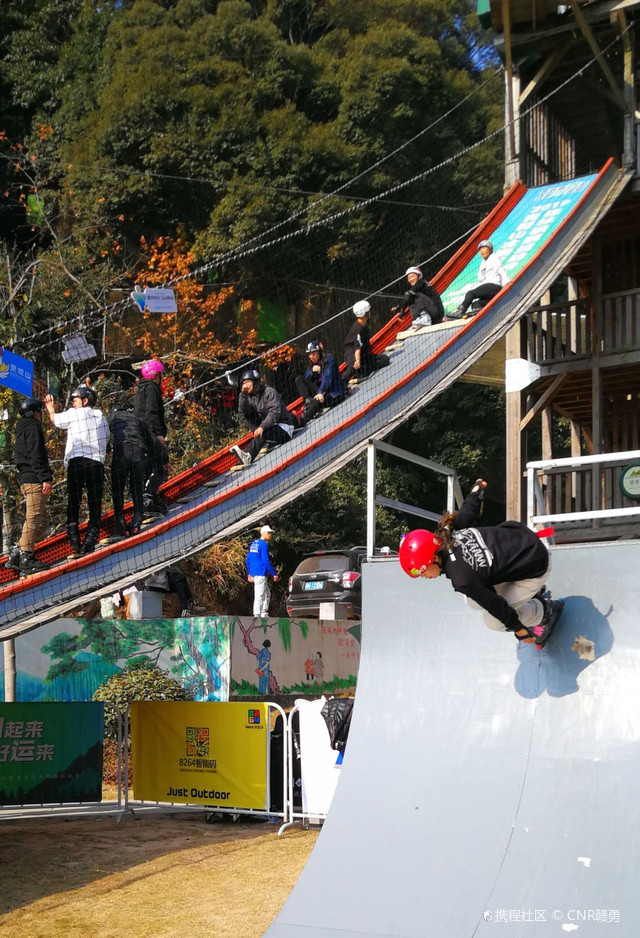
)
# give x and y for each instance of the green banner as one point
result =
(50, 752)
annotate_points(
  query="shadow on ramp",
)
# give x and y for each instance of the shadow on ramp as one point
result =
(582, 635)
(474, 794)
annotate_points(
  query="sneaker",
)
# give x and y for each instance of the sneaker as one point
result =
(30, 565)
(13, 560)
(552, 612)
(244, 458)
(90, 541)
(74, 537)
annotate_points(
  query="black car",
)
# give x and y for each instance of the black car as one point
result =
(327, 576)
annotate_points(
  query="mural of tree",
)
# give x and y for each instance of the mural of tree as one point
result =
(203, 651)
(138, 642)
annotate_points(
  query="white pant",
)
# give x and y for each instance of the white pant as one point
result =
(519, 595)
(261, 596)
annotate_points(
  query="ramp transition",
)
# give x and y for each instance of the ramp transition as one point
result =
(486, 782)
(538, 231)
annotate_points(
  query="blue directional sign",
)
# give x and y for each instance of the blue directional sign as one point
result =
(16, 373)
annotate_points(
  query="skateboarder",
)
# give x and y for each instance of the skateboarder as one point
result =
(500, 569)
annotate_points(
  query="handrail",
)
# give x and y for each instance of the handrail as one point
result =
(535, 495)
(454, 492)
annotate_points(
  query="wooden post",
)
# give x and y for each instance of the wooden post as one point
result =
(9, 670)
(515, 439)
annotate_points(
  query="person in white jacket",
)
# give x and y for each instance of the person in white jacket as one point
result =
(492, 277)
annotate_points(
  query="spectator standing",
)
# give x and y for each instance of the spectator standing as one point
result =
(263, 409)
(84, 455)
(148, 406)
(361, 361)
(492, 277)
(133, 450)
(321, 385)
(258, 569)
(34, 479)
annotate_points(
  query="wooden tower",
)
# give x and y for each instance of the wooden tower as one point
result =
(570, 77)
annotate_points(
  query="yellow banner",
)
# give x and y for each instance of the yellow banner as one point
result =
(201, 753)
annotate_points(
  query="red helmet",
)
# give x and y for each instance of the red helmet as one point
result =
(418, 549)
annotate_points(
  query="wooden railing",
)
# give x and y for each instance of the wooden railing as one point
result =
(620, 322)
(559, 331)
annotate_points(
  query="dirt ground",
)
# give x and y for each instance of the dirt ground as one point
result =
(146, 876)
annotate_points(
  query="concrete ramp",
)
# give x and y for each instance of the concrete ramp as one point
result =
(486, 784)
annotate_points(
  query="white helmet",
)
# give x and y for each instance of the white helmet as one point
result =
(361, 308)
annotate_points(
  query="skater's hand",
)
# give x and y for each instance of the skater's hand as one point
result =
(249, 579)
(479, 485)
(46, 488)
(276, 578)
(320, 397)
(257, 431)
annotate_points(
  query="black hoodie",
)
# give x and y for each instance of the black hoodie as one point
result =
(148, 405)
(30, 452)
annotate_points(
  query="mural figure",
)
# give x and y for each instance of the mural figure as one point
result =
(308, 669)
(264, 667)
(267, 680)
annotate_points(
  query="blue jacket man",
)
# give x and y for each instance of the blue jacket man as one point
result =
(321, 385)
(258, 568)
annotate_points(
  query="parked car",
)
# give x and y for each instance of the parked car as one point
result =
(328, 576)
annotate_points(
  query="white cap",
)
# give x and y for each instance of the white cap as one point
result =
(413, 270)
(361, 308)
(265, 529)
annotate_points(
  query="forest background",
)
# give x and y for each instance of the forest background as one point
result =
(272, 160)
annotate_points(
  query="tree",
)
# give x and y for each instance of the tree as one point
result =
(136, 684)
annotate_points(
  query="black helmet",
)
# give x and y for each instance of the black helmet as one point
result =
(85, 392)
(250, 375)
(314, 346)
(30, 405)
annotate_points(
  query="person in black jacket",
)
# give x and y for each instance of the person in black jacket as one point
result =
(264, 410)
(500, 569)
(358, 354)
(133, 450)
(149, 406)
(421, 300)
(34, 478)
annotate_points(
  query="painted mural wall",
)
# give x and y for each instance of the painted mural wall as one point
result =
(214, 657)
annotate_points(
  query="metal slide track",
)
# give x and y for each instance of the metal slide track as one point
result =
(211, 503)
(488, 787)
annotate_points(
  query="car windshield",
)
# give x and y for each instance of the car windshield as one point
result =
(323, 563)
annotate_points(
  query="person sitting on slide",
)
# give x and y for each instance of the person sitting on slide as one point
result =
(421, 300)
(492, 277)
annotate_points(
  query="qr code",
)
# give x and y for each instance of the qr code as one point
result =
(197, 740)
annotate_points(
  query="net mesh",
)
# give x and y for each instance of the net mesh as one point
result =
(301, 436)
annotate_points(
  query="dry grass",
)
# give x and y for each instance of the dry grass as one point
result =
(147, 877)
